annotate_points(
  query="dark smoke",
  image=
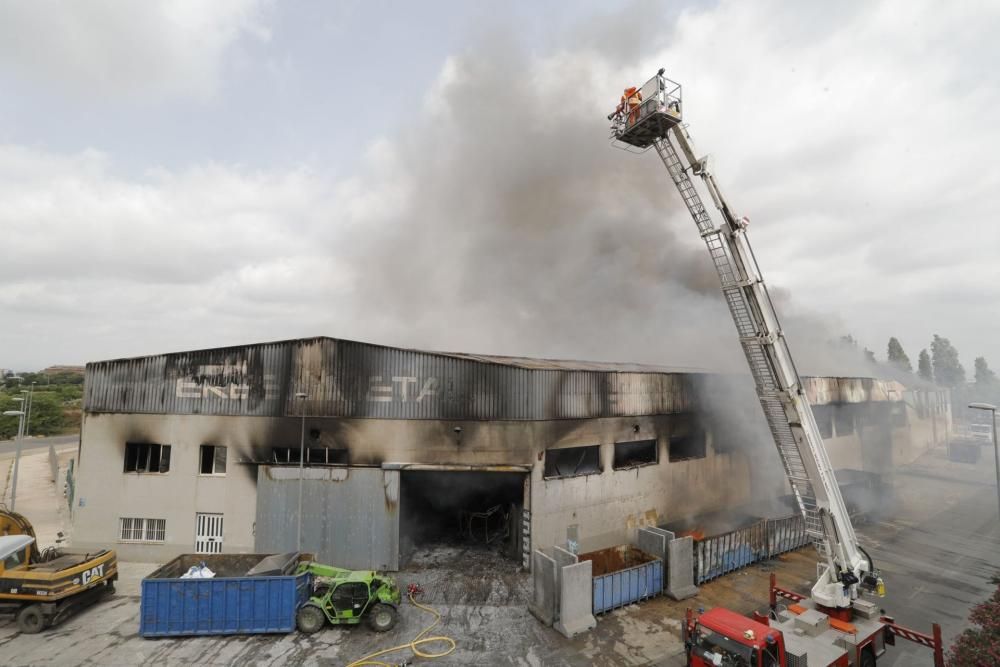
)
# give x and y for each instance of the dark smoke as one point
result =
(507, 224)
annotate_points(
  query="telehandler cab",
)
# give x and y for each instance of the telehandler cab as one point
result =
(345, 596)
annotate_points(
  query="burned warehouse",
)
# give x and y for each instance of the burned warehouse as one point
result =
(402, 448)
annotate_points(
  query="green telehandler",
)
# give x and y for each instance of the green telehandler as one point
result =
(345, 596)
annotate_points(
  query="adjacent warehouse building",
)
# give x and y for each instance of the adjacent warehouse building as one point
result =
(199, 451)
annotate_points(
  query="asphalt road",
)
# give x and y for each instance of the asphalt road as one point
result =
(28, 444)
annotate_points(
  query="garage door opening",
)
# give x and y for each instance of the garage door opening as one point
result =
(473, 510)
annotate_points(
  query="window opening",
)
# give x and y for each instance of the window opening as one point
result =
(635, 453)
(213, 460)
(144, 457)
(688, 446)
(573, 461)
(131, 529)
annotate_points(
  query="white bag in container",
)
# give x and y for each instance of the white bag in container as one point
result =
(199, 571)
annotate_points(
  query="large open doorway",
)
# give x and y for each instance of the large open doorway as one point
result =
(475, 511)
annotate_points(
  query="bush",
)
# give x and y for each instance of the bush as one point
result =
(979, 646)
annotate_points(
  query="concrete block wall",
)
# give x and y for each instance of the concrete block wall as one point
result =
(576, 599)
(609, 508)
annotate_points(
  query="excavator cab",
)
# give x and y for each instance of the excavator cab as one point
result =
(645, 114)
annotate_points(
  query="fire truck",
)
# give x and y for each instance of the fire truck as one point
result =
(834, 625)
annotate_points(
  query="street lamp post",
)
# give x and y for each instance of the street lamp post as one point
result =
(17, 456)
(996, 450)
(302, 458)
(27, 420)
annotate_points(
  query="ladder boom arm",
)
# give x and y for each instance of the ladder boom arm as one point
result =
(779, 387)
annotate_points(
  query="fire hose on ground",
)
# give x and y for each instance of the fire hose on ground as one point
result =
(412, 591)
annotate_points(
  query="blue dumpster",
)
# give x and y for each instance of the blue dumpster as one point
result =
(230, 603)
(623, 575)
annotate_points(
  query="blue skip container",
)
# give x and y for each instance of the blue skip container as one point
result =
(249, 594)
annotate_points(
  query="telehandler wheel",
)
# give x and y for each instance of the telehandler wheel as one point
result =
(31, 620)
(867, 657)
(310, 619)
(382, 617)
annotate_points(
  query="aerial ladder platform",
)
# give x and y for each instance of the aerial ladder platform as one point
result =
(651, 117)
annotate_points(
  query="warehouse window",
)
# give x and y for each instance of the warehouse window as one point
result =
(142, 530)
(213, 460)
(687, 447)
(824, 421)
(314, 455)
(843, 421)
(147, 457)
(573, 461)
(635, 453)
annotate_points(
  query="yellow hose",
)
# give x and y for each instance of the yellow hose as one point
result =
(413, 644)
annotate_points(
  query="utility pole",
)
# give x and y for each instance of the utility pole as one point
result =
(27, 420)
(17, 457)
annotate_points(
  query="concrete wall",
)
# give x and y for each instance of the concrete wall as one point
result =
(608, 508)
(104, 493)
(605, 508)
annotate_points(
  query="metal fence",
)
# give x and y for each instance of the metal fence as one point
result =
(70, 484)
(785, 535)
(721, 554)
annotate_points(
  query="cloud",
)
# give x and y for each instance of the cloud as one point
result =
(497, 219)
(101, 48)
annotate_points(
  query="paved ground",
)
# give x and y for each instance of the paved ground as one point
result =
(937, 554)
(29, 444)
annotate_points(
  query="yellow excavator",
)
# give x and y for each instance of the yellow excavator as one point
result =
(43, 587)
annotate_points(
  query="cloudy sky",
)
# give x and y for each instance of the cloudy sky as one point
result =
(181, 174)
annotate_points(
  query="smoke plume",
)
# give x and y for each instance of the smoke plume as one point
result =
(502, 221)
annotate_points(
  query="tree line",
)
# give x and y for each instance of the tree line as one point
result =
(941, 366)
(56, 403)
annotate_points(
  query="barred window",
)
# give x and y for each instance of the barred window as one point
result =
(142, 530)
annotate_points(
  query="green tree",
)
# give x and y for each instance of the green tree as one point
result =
(870, 356)
(897, 357)
(46, 414)
(948, 371)
(924, 366)
(985, 378)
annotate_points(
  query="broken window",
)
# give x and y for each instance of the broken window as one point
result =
(142, 530)
(213, 460)
(843, 420)
(635, 453)
(573, 461)
(688, 446)
(147, 457)
(314, 455)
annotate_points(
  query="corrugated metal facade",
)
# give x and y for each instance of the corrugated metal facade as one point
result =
(350, 379)
(350, 517)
